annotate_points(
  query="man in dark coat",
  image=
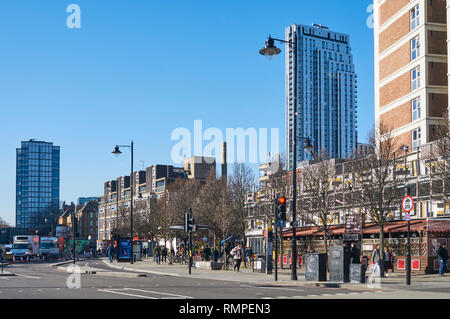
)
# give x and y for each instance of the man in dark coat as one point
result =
(354, 254)
(443, 259)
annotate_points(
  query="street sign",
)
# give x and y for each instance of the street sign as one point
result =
(407, 204)
(281, 223)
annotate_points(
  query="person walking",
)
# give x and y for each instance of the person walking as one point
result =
(110, 253)
(443, 259)
(157, 254)
(387, 260)
(376, 260)
(164, 254)
(354, 254)
(237, 254)
(249, 256)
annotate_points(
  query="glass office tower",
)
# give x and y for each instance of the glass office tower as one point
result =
(325, 92)
(37, 186)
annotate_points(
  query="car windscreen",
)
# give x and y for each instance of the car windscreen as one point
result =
(20, 246)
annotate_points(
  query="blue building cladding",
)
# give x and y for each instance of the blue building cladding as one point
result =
(37, 186)
(325, 93)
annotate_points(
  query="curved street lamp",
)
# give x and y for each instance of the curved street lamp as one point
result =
(117, 152)
(269, 51)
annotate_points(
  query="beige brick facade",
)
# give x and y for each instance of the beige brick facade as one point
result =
(394, 32)
(389, 8)
(395, 89)
(402, 139)
(397, 117)
(395, 61)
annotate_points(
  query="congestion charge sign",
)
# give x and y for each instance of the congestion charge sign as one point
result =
(407, 205)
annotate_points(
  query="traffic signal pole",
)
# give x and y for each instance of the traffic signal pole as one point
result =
(190, 252)
(276, 238)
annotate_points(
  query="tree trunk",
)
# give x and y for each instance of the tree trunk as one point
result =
(325, 240)
(381, 251)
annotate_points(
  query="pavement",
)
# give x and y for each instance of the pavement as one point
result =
(393, 281)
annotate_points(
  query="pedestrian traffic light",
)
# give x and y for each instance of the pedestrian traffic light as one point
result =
(281, 211)
(188, 222)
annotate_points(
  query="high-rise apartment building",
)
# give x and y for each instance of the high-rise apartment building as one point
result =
(325, 94)
(411, 82)
(37, 186)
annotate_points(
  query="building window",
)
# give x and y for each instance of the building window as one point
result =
(416, 109)
(416, 138)
(415, 48)
(415, 78)
(415, 17)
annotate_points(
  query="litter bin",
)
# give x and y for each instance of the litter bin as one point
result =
(260, 264)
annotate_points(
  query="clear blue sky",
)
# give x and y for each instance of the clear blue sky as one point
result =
(137, 69)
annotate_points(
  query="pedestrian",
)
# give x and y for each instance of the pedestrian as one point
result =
(215, 255)
(110, 253)
(237, 254)
(158, 254)
(164, 254)
(206, 253)
(443, 259)
(376, 260)
(387, 260)
(354, 254)
(249, 255)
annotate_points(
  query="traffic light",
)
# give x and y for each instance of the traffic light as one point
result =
(188, 222)
(281, 211)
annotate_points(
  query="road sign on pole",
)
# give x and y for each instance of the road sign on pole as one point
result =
(407, 207)
(407, 204)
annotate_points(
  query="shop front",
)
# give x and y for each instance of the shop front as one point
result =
(426, 236)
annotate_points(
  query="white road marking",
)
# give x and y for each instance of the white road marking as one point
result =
(125, 294)
(247, 286)
(121, 291)
(29, 277)
(158, 293)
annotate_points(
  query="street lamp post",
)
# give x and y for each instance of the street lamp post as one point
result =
(408, 245)
(74, 236)
(117, 152)
(269, 51)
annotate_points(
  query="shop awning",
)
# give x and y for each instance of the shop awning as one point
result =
(416, 225)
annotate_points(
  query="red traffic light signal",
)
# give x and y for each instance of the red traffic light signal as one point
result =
(282, 200)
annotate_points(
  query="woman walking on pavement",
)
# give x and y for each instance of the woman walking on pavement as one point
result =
(376, 260)
(237, 257)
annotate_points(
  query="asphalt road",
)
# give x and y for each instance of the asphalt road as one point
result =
(42, 281)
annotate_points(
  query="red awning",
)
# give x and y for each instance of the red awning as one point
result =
(416, 225)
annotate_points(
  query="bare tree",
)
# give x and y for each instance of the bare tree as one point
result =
(240, 184)
(376, 188)
(318, 195)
